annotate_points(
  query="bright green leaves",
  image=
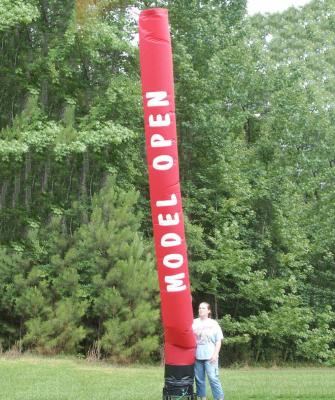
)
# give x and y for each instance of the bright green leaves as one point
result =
(16, 12)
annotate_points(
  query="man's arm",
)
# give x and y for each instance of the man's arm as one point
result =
(215, 355)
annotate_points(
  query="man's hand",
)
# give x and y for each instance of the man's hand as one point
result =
(214, 358)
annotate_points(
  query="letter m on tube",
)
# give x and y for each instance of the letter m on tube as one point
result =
(175, 283)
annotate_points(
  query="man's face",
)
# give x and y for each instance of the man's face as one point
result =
(203, 310)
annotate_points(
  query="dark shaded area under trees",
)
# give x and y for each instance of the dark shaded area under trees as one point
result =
(255, 112)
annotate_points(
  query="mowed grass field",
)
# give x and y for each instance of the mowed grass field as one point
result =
(35, 378)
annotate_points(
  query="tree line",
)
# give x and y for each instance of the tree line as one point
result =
(255, 121)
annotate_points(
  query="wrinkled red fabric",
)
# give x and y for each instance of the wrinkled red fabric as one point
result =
(165, 198)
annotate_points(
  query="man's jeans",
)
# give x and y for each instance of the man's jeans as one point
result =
(203, 368)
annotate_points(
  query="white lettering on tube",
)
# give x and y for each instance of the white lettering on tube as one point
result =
(170, 240)
(173, 261)
(175, 283)
(159, 141)
(162, 163)
(159, 121)
(167, 203)
(157, 99)
(169, 220)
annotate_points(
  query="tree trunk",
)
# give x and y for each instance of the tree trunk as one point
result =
(215, 307)
(83, 185)
(27, 171)
(3, 193)
(46, 175)
(70, 180)
(17, 187)
(45, 51)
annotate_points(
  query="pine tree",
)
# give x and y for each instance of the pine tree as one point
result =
(117, 275)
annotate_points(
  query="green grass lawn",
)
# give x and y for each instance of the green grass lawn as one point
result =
(33, 378)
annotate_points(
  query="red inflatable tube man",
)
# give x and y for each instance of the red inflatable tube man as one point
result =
(165, 198)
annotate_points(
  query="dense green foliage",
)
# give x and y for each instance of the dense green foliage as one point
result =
(255, 113)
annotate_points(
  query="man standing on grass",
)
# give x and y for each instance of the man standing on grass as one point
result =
(208, 337)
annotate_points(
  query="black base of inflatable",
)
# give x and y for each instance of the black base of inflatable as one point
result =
(179, 382)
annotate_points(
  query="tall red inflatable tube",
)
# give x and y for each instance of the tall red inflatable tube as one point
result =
(166, 204)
